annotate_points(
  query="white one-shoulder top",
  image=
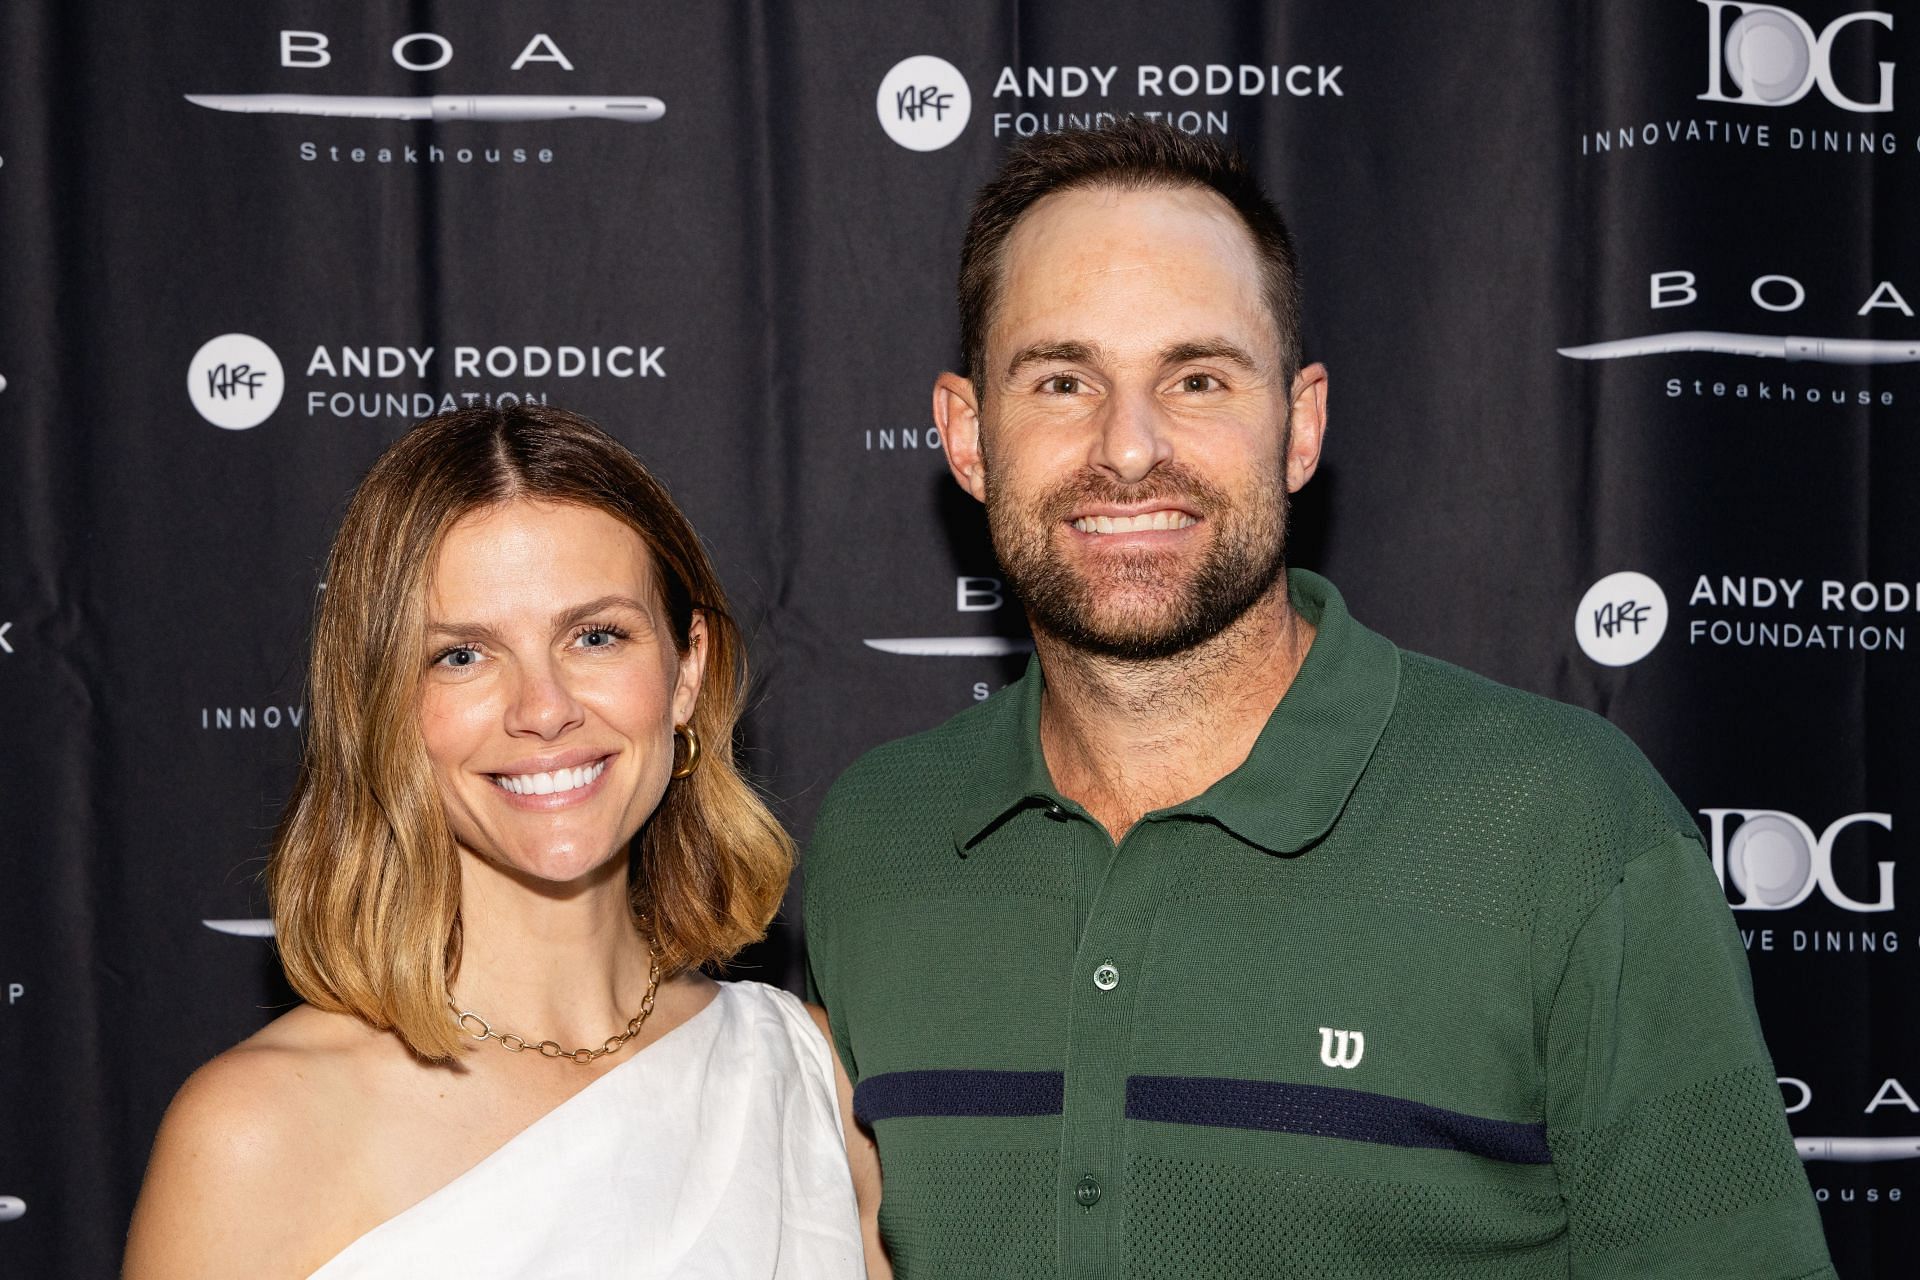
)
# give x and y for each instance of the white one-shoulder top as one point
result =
(715, 1152)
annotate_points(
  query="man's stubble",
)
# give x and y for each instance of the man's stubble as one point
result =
(1244, 558)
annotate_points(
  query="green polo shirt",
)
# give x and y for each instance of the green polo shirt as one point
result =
(1438, 983)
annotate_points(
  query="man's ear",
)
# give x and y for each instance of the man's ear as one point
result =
(1307, 423)
(956, 411)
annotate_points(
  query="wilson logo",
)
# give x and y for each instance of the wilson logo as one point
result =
(1342, 1048)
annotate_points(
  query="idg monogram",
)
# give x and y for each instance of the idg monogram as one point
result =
(1774, 56)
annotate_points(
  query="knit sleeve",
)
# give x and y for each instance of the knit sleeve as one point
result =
(1664, 1117)
(818, 915)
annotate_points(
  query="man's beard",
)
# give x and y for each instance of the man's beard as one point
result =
(1246, 557)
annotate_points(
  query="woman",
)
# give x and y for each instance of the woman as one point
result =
(516, 836)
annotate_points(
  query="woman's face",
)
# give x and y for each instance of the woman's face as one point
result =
(551, 686)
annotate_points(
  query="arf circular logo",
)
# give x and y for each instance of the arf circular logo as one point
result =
(1621, 619)
(924, 103)
(236, 381)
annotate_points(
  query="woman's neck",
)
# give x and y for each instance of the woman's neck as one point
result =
(549, 962)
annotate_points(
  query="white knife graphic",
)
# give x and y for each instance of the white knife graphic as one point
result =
(1824, 350)
(251, 928)
(1858, 1150)
(440, 107)
(953, 646)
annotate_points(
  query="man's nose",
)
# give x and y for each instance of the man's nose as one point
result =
(1133, 436)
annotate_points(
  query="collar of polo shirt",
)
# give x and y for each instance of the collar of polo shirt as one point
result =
(1294, 782)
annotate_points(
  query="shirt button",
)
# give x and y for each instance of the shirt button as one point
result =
(1106, 977)
(1087, 1194)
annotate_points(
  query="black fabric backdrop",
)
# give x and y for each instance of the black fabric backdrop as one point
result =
(1474, 187)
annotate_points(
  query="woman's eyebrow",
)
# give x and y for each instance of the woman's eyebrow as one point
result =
(563, 617)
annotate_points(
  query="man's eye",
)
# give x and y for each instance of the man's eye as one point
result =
(1199, 382)
(1063, 384)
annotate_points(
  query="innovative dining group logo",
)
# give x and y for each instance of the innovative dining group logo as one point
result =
(1810, 79)
(1773, 57)
(1772, 860)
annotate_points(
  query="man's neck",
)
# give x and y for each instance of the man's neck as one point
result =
(1124, 738)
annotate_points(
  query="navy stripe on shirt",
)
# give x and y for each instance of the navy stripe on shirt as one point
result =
(897, 1094)
(1328, 1112)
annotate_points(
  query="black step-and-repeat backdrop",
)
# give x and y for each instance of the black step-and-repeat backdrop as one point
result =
(1618, 299)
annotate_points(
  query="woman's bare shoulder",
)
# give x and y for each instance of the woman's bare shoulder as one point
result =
(280, 1084)
(243, 1146)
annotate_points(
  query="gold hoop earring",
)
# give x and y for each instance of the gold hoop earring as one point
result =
(686, 767)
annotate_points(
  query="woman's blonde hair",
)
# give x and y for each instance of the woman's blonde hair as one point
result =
(364, 878)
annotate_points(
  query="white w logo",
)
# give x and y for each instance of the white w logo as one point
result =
(1342, 1048)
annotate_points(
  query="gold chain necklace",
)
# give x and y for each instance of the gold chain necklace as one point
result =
(512, 1043)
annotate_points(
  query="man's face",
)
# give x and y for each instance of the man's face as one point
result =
(1133, 450)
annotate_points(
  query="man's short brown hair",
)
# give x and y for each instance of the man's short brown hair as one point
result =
(1133, 154)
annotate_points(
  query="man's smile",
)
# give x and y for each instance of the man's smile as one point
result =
(1140, 522)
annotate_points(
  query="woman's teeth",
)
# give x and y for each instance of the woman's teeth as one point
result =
(546, 784)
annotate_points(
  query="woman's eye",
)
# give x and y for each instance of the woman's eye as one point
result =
(600, 637)
(458, 659)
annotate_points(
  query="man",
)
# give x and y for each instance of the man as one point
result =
(1232, 940)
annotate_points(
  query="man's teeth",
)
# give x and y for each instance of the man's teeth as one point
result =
(1133, 524)
(546, 784)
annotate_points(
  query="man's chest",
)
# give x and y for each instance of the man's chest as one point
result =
(1124, 1035)
(1185, 952)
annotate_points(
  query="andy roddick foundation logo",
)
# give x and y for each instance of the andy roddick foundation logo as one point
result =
(1621, 618)
(236, 381)
(924, 102)
(1624, 616)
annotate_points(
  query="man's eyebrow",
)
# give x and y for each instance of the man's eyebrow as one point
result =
(1212, 349)
(1049, 352)
(565, 617)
